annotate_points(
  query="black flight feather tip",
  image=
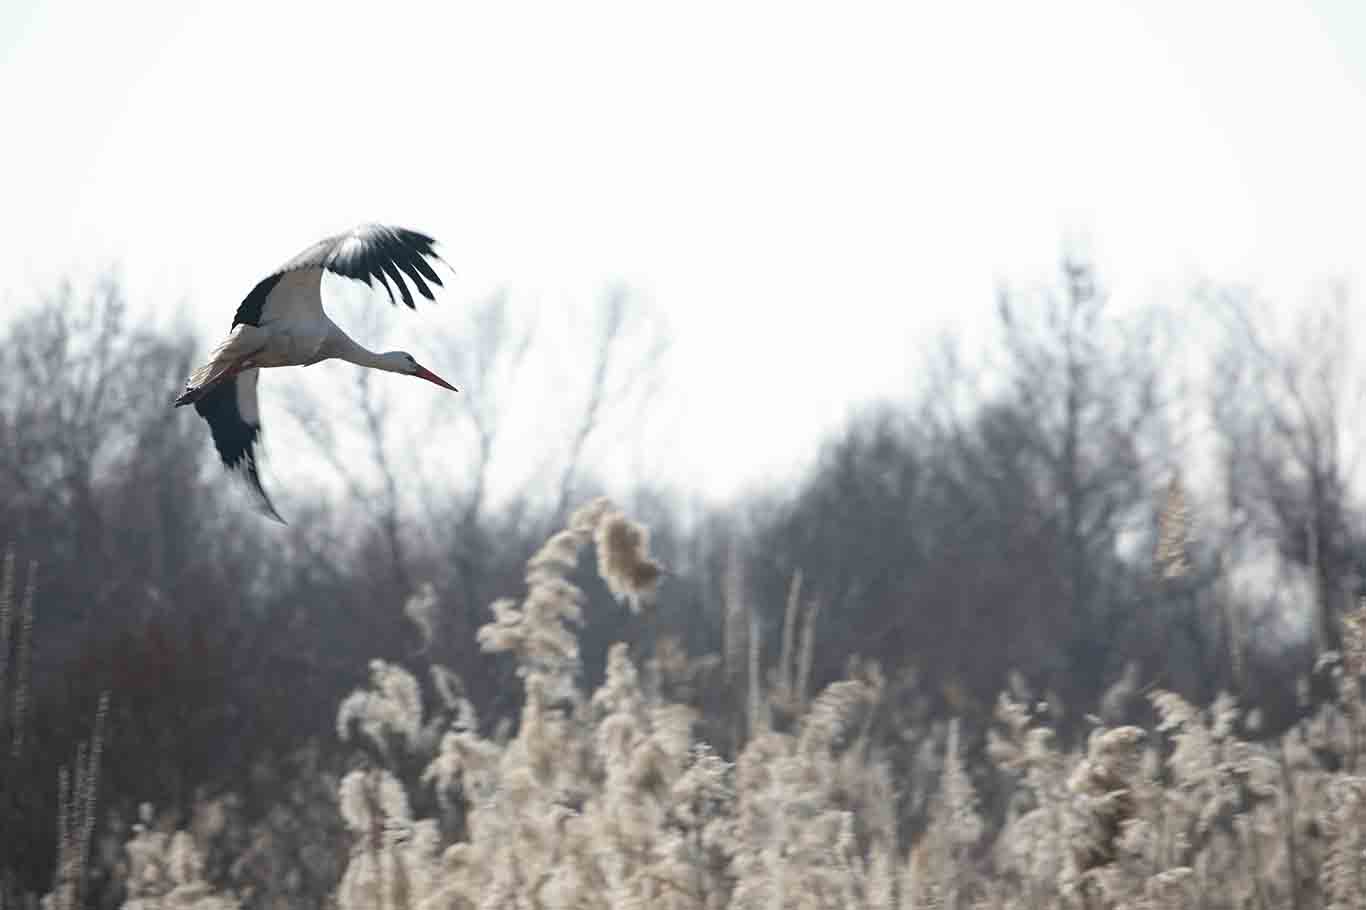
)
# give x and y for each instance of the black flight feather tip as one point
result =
(394, 256)
(234, 437)
(391, 255)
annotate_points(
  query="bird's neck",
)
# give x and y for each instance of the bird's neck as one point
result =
(363, 356)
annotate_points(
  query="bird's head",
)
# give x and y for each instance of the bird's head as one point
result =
(403, 362)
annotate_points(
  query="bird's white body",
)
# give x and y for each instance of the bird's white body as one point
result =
(282, 323)
(293, 331)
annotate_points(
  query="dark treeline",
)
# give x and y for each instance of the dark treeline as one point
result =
(1109, 501)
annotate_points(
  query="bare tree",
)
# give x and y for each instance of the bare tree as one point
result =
(372, 411)
(1283, 408)
(362, 422)
(1087, 391)
(983, 529)
(623, 375)
(493, 357)
(92, 450)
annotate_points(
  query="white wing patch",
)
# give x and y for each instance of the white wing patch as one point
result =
(353, 245)
(296, 297)
(247, 404)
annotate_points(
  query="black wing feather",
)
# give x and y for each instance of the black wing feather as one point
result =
(408, 260)
(393, 255)
(389, 266)
(377, 251)
(388, 290)
(420, 284)
(234, 437)
(427, 271)
(249, 312)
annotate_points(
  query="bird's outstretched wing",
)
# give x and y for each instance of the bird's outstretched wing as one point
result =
(373, 251)
(235, 421)
(364, 253)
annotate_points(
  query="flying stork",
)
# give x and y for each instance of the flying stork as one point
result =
(282, 323)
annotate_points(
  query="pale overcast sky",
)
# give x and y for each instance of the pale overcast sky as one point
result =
(804, 190)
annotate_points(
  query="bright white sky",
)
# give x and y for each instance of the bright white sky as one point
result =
(806, 191)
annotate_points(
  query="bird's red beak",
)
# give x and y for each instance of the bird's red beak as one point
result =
(424, 373)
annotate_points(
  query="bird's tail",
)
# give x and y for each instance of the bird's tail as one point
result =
(196, 390)
(203, 381)
(226, 361)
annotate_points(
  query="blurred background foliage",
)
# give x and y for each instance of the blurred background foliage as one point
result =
(1106, 502)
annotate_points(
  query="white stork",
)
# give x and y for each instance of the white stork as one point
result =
(281, 323)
